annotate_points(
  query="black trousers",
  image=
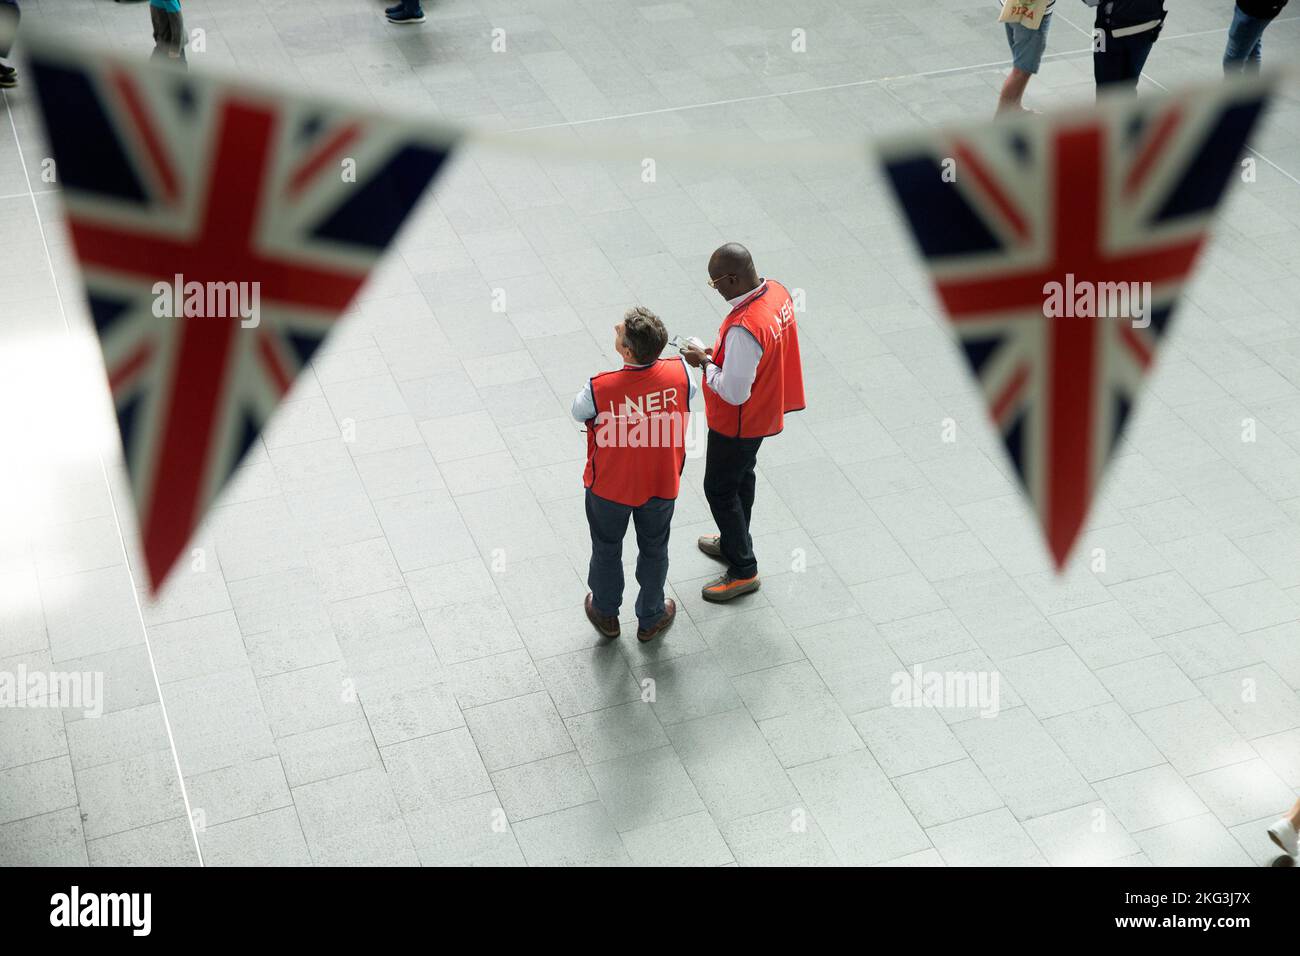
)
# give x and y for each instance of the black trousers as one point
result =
(729, 489)
(1120, 64)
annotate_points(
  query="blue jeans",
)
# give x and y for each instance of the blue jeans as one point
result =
(607, 521)
(1245, 47)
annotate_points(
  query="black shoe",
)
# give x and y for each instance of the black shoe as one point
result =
(8, 77)
(402, 17)
(394, 10)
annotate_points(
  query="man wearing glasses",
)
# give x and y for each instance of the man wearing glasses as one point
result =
(752, 378)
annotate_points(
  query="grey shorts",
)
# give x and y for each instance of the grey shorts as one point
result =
(1027, 46)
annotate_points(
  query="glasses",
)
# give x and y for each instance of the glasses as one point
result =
(713, 283)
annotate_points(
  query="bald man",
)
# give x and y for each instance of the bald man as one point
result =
(752, 378)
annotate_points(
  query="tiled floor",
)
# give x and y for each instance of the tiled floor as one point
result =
(375, 652)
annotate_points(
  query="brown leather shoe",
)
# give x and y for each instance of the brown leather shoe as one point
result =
(711, 544)
(665, 621)
(608, 626)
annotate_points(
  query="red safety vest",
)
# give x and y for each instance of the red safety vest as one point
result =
(636, 444)
(768, 315)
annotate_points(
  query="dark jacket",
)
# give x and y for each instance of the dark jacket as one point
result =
(1118, 14)
(1261, 9)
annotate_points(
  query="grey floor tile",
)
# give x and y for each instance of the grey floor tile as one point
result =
(786, 836)
(1242, 792)
(945, 793)
(1196, 841)
(516, 731)
(1023, 763)
(731, 765)
(309, 699)
(1054, 681)
(238, 791)
(686, 688)
(1086, 835)
(1254, 700)
(130, 793)
(353, 820)
(1282, 753)
(1147, 683)
(691, 840)
(862, 816)
(994, 838)
(1105, 634)
(272, 838)
(1194, 737)
(905, 740)
(616, 732)
(588, 680)
(543, 786)
(645, 788)
(1150, 798)
(580, 836)
(810, 734)
(50, 839)
(327, 752)
(166, 843)
(753, 639)
(1103, 742)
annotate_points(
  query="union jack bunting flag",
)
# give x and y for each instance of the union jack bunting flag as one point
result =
(1058, 246)
(221, 230)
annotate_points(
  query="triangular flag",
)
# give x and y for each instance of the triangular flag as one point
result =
(1059, 246)
(221, 230)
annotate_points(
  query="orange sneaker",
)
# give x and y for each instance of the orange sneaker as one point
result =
(726, 587)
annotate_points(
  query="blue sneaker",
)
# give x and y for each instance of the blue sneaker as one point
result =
(401, 16)
(394, 10)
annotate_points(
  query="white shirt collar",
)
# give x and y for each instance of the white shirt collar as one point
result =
(742, 299)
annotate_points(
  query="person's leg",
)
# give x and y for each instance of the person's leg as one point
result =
(1138, 52)
(1284, 832)
(161, 32)
(179, 38)
(653, 522)
(9, 16)
(1256, 58)
(607, 521)
(1027, 49)
(747, 479)
(1118, 66)
(1245, 37)
(1013, 90)
(723, 469)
